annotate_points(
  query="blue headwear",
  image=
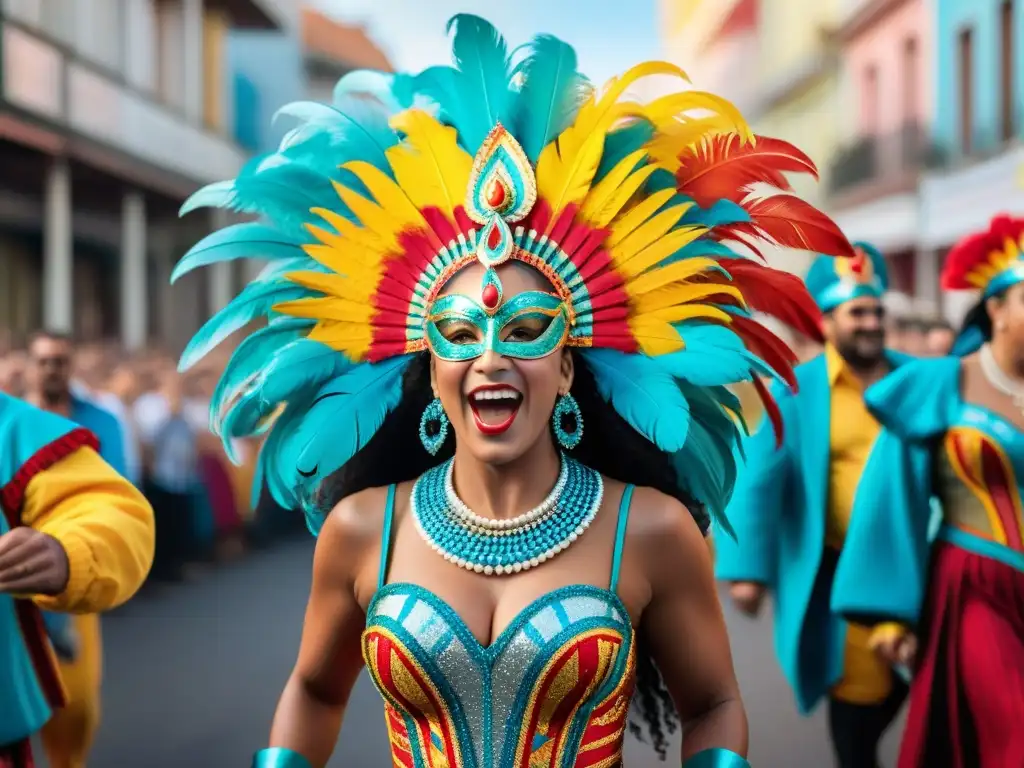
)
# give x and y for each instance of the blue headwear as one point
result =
(833, 281)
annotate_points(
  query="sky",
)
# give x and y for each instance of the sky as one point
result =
(607, 37)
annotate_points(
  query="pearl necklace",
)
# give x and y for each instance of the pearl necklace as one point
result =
(473, 520)
(473, 542)
(999, 379)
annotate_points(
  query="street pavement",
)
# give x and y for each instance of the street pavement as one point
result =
(193, 672)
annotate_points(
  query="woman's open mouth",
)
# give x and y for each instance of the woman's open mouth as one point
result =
(494, 408)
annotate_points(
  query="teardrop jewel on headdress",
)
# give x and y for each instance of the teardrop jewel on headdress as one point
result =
(502, 189)
(501, 181)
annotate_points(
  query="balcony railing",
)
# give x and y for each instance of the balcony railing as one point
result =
(882, 158)
(46, 80)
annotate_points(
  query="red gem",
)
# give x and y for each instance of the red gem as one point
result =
(490, 296)
(494, 237)
(496, 194)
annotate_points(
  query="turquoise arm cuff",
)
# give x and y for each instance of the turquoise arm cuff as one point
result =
(279, 757)
(716, 758)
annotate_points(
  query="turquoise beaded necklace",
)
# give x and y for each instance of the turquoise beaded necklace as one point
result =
(505, 546)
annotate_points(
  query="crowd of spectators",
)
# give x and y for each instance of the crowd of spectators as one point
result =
(153, 424)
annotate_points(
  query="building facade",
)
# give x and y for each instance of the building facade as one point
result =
(979, 123)
(778, 61)
(887, 85)
(111, 114)
(331, 50)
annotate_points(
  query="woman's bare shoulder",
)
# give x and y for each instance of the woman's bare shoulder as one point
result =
(356, 523)
(663, 528)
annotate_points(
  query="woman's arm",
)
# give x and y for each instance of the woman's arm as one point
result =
(309, 714)
(686, 629)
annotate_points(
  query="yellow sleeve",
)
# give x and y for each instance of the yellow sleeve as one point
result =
(104, 524)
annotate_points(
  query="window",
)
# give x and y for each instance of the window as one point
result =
(910, 81)
(1006, 84)
(869, 102)
(966, 90)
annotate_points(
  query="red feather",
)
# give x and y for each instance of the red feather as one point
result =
(977, 249)
(769, 347)
(771, 409)
(723, 167)
(792, 223)
(780, 294)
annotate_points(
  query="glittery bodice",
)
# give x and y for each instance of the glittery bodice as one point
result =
(980, 476)
(551, 691)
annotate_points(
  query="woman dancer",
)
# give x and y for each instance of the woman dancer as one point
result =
(534, 281)
(953, 428)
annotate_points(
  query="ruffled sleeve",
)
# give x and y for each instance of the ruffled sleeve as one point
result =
(918, 399)
(882, 573)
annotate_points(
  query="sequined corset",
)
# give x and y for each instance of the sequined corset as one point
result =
(551, 691)
(980, 474)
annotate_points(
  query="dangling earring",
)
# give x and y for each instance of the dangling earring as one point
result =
(433, 426)
(567, 409)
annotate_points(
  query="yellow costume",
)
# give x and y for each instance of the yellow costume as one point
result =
(58, 485)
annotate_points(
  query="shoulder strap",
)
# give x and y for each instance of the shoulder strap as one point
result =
(385, 538)
(620, 535)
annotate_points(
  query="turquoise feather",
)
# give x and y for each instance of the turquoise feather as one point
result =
(252, 355)
(706, 465)
(250, 240)
(477, 93)
(361, 128)
(550, 96)
(714, 355)
(281, 191)
(355, 405)
(644, 394)
(722, 212)
(295, 374)
(621, 143)
(253, 302)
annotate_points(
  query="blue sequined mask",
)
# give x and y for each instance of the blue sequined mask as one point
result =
(529, 326)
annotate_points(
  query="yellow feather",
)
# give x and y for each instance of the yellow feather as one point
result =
(615, 190)
(565, 180)
(674, 105)
(329, 308)
(651, 230)
(351, 234)
(391, 198)
(671, 294)
(343, 258)
(345, 286)
(658, 337)
(655, 337)
(675, 272)
(689, 295)
(351, 339)
(636, 215)
(567, 165)
(430, 165)
(674, 136)
(375, 220)
(658, 251)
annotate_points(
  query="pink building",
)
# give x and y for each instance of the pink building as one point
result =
(886, 57)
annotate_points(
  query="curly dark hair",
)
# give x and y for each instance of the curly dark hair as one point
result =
(611, 446)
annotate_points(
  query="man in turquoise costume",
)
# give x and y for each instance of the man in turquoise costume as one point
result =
(791, 509)
(75, 537)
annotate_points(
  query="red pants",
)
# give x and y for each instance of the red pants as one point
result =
(967, 697)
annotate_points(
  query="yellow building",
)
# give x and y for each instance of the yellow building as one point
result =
(779, 67)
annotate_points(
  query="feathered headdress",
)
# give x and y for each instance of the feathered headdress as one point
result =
(373, 203)
(833, 281)
(988, 262)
